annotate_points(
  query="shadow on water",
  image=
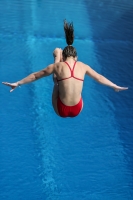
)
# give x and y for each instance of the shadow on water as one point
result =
(114, 44)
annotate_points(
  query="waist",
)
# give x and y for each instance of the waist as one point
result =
(70, 100)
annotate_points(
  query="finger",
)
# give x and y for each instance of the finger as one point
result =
(6, 83)
(124, 88)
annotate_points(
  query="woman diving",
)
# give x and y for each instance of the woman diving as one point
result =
(68, 75)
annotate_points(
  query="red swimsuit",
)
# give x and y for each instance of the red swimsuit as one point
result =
(69, 111)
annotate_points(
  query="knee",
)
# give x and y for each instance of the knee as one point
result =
(56, 52)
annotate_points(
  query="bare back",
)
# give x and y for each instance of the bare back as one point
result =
(70, 89)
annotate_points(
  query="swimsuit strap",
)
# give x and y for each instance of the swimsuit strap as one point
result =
(72, 70)
(72, 73)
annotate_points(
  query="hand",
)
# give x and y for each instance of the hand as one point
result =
(118, 88)
(12, 85)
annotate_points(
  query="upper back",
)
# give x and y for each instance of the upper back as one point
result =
(70, 69)
(70, 79)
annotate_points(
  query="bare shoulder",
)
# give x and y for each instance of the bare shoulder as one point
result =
(83, 65)
(88, 70)
(50, 68)
(58, 66)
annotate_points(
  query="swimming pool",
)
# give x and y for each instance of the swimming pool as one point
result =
(46, 157)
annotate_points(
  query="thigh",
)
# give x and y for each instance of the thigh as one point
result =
(55, 98)
(82, 106)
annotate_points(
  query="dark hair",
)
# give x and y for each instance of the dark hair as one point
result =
(69, 35)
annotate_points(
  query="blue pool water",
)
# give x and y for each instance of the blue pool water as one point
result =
(45, 157)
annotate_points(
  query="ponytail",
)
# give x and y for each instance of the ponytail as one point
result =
(69, 35)
(69, 32)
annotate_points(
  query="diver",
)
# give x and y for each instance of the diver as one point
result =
(68, 76)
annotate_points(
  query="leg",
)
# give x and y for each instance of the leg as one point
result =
(82, 106)
(55, 98)
(57, 58)
(57, 53)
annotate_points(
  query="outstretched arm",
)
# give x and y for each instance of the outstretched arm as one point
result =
(32, 77)
(101, 79)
